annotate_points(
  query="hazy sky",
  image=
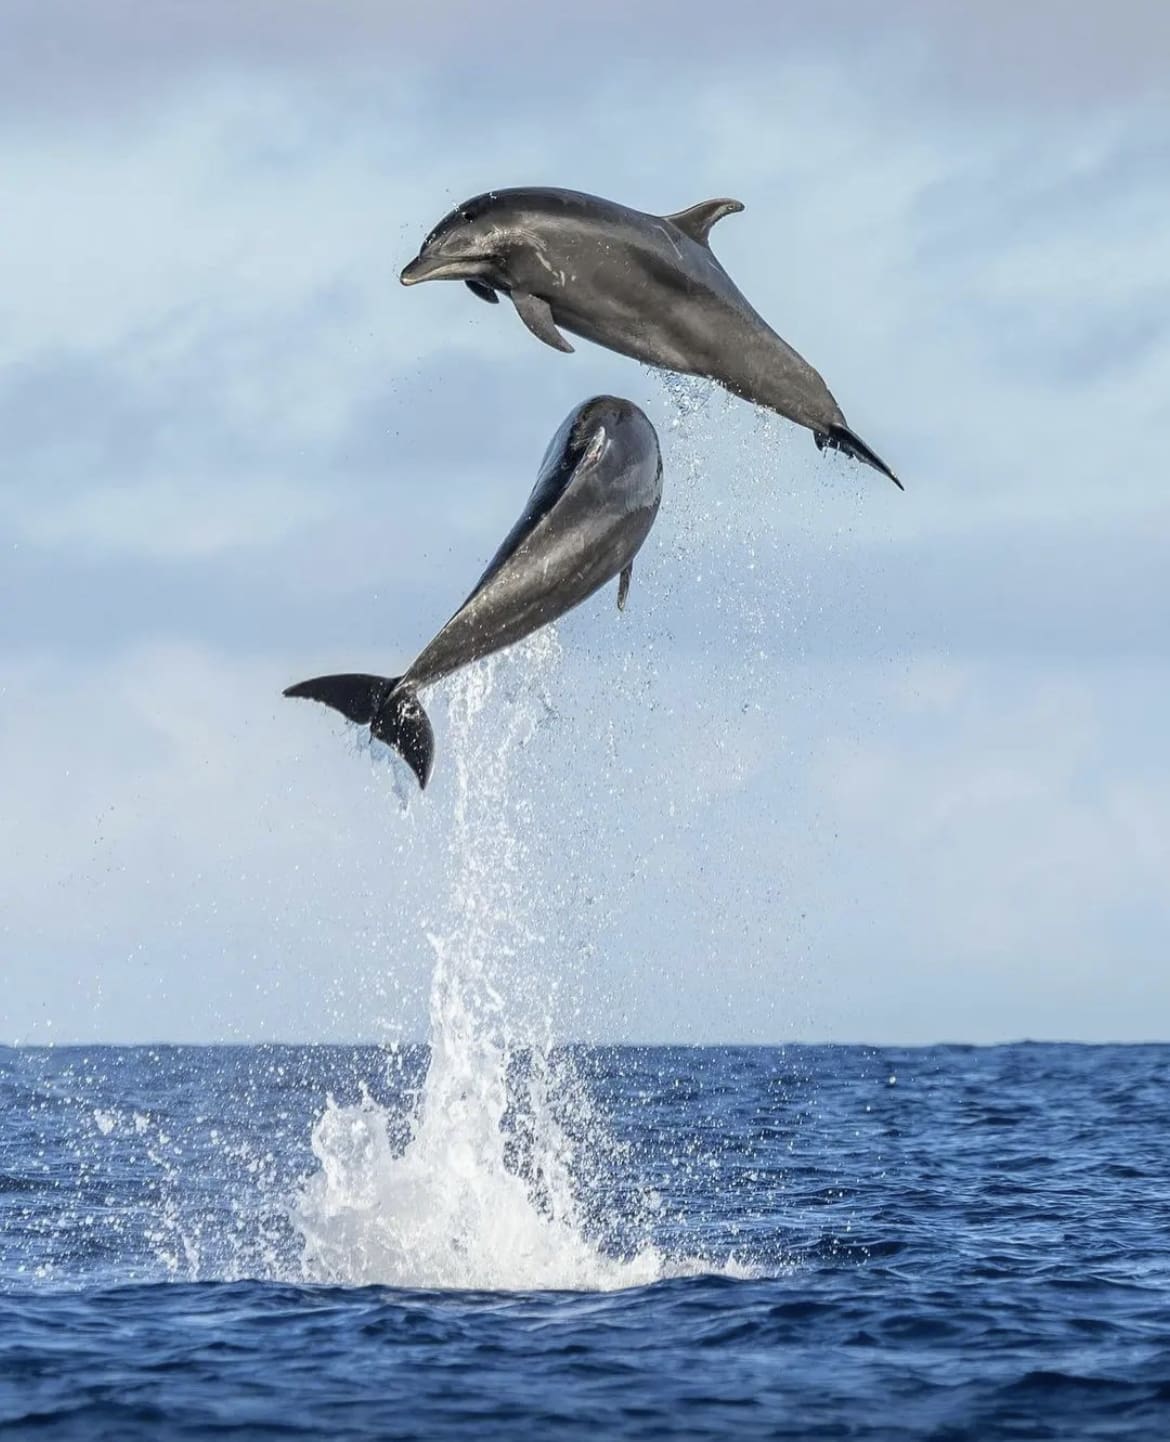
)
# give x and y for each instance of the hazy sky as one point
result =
(854, 765)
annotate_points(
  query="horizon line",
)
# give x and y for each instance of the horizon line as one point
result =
(73, 1045)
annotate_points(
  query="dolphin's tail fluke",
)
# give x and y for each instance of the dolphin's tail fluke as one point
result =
(390, 709)
(841, 438)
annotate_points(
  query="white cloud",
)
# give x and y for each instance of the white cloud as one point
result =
(186, 517)
(992, 812)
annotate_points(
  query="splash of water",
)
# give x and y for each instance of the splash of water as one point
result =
(499, 1173)
(486, 1193)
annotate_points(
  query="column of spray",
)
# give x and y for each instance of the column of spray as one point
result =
(483, 1006)
(467, 1073)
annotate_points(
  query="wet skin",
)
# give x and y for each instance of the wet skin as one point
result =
(646, 286)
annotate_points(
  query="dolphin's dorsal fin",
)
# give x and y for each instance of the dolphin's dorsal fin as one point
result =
(697, 220)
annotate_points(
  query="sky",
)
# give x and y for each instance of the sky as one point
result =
(853, 766)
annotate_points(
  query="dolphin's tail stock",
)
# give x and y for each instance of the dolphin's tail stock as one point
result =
(390, 709)
(841, 438)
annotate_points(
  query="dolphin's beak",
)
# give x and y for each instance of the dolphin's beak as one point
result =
(414, 272)
(440, 267)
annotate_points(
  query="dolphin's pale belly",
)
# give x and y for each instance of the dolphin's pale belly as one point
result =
(555, 569)
(560, 553)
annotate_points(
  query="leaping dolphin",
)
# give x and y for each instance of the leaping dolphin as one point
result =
(593, 504)
(647, 286)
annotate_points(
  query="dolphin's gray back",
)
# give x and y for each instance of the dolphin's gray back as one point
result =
(638, 284)
(584, 522)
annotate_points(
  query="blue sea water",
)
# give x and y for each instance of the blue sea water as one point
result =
(803, 1242)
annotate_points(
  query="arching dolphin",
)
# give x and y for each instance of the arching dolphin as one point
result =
(593, 504)
(647, 286)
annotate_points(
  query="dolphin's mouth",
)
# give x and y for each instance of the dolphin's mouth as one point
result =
(443, 267)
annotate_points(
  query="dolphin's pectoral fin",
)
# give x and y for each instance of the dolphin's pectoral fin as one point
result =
(537, 316)
(697, 220)
(485, 292)
(624, 585)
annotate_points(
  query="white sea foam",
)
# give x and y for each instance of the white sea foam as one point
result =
(486, 1191)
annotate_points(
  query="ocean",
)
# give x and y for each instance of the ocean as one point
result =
(798, 1242)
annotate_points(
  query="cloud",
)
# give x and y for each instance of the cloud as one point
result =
(825, 853)
(69, 59)
(181, 517)
(997, 817)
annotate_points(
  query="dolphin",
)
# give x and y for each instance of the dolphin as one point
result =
(647, 286)
(595, 499)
